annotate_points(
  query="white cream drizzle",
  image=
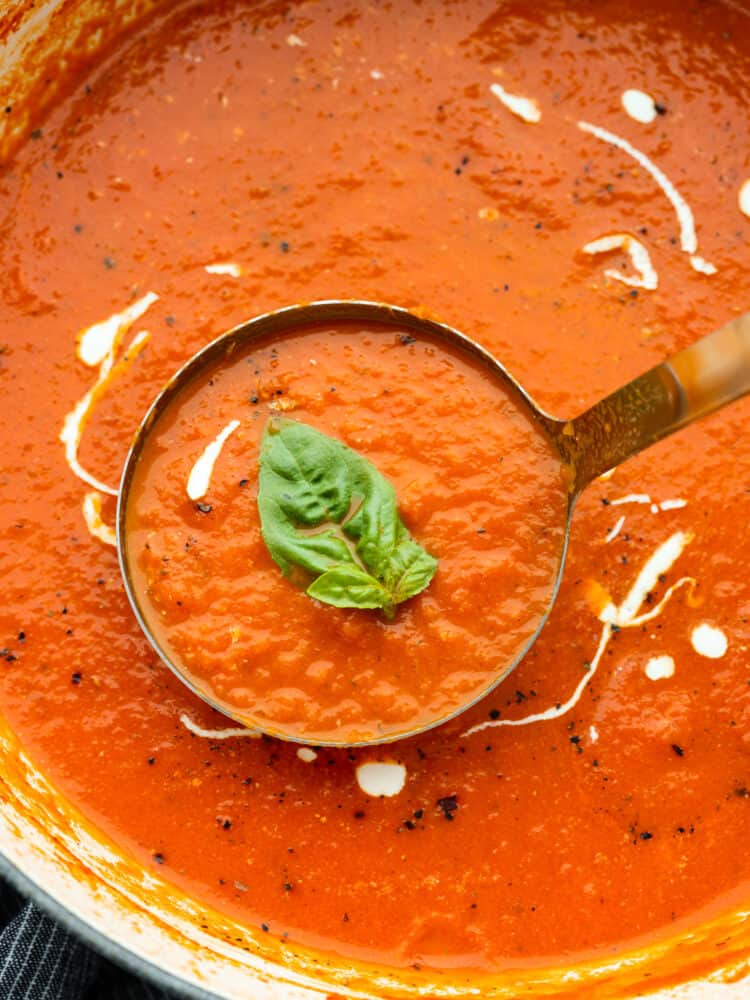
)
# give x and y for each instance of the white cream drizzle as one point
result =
(556, 710)
(709, 641)
(593, 734)
(674, 504)
(525, 108)
(229, 267)
(92, 515)
(660, 561)
(660, 668)
(656, 565)
(610, 613)
(631, 498)
(98, 345)
(743, 198)
(381, 778)
(688, 238)
(217, 734)
(96, 342)
(702, 265)
(639, 257)
(615, 531)
(639, 105)
(199, 479)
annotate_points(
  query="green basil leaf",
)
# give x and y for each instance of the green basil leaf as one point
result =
(349, 586)
(412, 569)
(328, 512)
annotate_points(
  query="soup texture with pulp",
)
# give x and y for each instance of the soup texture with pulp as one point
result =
(479, 162)
(478, 482)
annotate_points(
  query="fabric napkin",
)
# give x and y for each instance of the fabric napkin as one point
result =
(39, 960)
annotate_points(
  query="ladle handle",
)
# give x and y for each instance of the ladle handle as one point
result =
(689, 385)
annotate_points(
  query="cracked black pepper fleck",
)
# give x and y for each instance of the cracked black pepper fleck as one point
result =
(448, 805)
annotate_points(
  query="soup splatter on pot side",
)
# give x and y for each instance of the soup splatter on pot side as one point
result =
(230, 160)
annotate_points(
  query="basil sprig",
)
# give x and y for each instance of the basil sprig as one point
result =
(327, 511)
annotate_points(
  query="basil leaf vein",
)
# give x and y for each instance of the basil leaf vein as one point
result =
(327, 512)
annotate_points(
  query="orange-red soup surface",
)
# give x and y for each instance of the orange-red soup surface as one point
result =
(375, 162)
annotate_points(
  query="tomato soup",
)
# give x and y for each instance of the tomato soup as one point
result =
(565, 182)
(479, 485)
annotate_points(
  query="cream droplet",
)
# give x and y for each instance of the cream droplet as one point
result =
(307, 754)
(709, 641)
(384, 778)
(675, 504)
(659, 668)
(230, 268)
(525, 108)
(640, 106)
(744, 198)
(701, 265)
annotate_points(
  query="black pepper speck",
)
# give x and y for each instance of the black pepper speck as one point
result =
(448, 805)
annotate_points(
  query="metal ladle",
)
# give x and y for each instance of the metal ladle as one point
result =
(691, 384)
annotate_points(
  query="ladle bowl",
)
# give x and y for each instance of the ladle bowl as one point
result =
(693, 383)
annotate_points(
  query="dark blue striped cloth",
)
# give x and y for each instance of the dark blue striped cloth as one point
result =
(41, 961)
